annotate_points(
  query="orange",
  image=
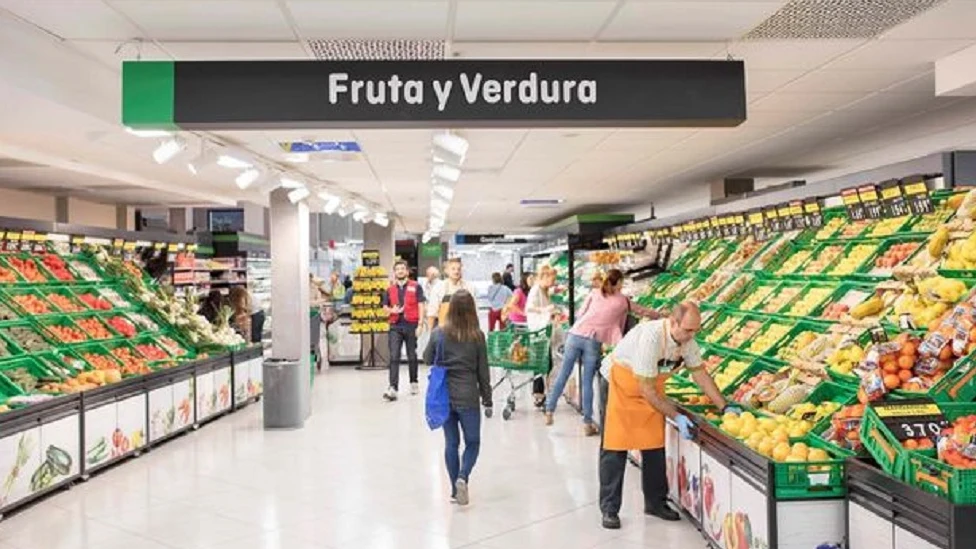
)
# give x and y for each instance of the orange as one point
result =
(905, 362)
(890, 368)
(908, 349)
(925, 444)
(853, 436)
(910, 444)
(905, 375)
(946, 353)
(892, 382)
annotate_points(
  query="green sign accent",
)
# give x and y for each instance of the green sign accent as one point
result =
(148, 94)
(430, 249)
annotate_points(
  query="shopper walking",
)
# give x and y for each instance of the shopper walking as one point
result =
(539, 311)
(440, 298)
(459, 346)
(508, 279)
(601, 321)
(633, 378)
(404, 303)
(498, 296)
(514, 311)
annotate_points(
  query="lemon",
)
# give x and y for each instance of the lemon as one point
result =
(781, 451)
(748, 417)
(746, 430)
(732, 426)
(816, 454)
(766, 447)
(793, 459)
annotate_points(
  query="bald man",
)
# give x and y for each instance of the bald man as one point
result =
(632, 385)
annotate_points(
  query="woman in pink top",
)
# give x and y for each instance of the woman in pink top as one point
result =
(516, 305)
(601, 322)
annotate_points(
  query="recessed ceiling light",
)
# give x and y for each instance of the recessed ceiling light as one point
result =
(168, 149)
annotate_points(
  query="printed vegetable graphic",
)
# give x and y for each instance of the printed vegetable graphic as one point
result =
(57, 464)
(25, 447)
(97, 453)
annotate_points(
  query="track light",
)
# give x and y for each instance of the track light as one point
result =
(332, 202)
(234, 161)
(381, 219)
(246, 178)
(168, 149)
(290, 183)
(446, 172)
(297, 195)
(444, 191)
(343, 210)
(148, 133)
(452, 148)
(360, 213)
(201, 161)
(439, 205)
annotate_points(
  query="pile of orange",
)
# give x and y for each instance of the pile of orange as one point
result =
(897, 367)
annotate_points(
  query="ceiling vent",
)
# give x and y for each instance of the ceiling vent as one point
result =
(837, 19)
(377, 50)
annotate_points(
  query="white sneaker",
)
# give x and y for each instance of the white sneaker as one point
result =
(390, 394)
(414, 388)
(461, 486)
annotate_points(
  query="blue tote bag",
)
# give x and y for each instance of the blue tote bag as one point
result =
(438, 402)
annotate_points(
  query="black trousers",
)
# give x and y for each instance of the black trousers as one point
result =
(257, 326)
(401, 334)
(613, 465)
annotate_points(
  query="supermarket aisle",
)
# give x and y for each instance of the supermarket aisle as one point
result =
(362, 474)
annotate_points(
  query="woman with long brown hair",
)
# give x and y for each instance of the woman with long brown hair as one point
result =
(600, 322)
(459, 346)
(240, 301)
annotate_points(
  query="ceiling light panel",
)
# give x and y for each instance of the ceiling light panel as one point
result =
(837, 19)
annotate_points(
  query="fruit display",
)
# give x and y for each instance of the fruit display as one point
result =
(710, 286)
(84, 271)
(64, 303)
(770, 437)
(122, 326)
(4, 350)
(152, 352)
(100, 361)
(886, 227)
(809, 301)
(765, 340)
(743, 333)
(931, 298)
(791, 351)
(7, 314)
(143, 322)
(957, 444)
(132, 364)
(67, 334)
(770, 253)
(892, 257)
(26, 268)
(95, 302)
(94, 328)
(26, 338)
(794, 262)
(852, 261)
(113, 297)
(732, 370)
(780, 299)
(57, 267)
(7, 276)
(845, 358)
(854, 229)
(822, 260)
(845, 428)
(727, 325)
(171, 346)
(31, 304)
(733, 288)
(830, 228)
(756, 297)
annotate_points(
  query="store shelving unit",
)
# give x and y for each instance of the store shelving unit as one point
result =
(89, 376)
(244, 259)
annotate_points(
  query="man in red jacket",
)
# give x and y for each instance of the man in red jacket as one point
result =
(404, 302)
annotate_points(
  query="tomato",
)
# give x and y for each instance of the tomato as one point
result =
(94, 327)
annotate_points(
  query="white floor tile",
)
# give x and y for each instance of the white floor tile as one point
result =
(363, 473)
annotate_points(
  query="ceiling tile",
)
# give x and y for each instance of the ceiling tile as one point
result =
(952, 19)
(798, 55)
(804, 101)
(390, 19)
(74, 19)
(530, 20)
(828, 80)
(112, 54)
(686, 20)
(206, 51)
(208, 20)
(895, 54)
(758, 80)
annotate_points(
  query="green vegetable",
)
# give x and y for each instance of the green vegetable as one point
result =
(27, 339)
(59, 459)
(7, 314)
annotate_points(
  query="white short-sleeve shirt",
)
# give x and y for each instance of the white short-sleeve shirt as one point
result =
(642, 350)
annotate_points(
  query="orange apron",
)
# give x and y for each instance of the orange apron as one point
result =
(632, 423)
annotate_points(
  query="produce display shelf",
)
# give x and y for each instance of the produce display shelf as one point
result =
(923, 470)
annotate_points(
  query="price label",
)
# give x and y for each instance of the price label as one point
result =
(813, 212)
(77, 243)
(914, 418)
(892, 199)
(917, 195)
(868, 194)
(855, 210)
(772, 219)
(785, 215)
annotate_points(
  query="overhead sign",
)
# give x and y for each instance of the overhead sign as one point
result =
(432, 94)
(488, 239)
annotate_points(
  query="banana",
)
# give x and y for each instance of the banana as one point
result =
(870, 307)
(938, 242)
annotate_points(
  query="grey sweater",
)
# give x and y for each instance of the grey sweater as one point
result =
(467, 370)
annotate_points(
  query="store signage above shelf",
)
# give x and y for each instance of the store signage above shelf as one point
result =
(432, 94)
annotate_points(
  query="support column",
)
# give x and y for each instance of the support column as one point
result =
(290, 338)
(61, 209)
(379, 238)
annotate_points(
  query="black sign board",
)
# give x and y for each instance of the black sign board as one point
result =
(892, 200)
(917, 195)
(785, 216)
(370, 258)
(915, 418)
(433, 94)
(868, 194)
(487, 239)
(855, 210)
(813, 212)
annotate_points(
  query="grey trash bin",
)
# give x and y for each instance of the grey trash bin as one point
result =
(285, 383)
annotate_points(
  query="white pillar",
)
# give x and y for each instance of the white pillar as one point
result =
(289, 284)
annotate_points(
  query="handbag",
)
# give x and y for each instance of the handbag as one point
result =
(437, 405)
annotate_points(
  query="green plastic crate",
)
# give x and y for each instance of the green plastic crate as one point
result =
(66, 293)
(867, 271)
(959, 383)
(19, 332)
(811, 480)
(818, 306)
(10, 294)
(58, 320)
(940, 478)
(100, 317)
(796, 330)
(882, 445)
(61, 359)
(84, 349)
(869, 259)
(752, 290)
(6, 257)
(35, 368)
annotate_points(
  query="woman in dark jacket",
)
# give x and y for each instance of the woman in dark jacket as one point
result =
(459, 346)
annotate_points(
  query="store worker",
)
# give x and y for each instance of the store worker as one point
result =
(440, 298)
(632, 385)
(404, 302)
(498, 296)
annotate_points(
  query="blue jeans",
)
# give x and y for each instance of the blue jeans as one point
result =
(576, 348)
(469, 420)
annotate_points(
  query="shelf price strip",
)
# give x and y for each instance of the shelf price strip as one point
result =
(868, 194)
(852, 201)
(917, 194)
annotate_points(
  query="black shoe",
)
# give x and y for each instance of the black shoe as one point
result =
(611, 521)
(664, 513)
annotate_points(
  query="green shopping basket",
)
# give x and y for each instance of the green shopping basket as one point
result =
(520, 349)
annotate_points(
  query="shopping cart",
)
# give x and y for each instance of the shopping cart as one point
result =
(522, 355)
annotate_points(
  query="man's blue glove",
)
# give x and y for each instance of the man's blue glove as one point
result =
(732, 409)
(685, 426)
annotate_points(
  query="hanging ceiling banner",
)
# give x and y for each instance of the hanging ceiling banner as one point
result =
(242, 95)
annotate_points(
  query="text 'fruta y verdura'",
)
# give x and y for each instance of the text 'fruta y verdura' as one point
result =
(473, 88)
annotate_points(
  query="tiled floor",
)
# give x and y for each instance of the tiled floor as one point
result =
(362, 474)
